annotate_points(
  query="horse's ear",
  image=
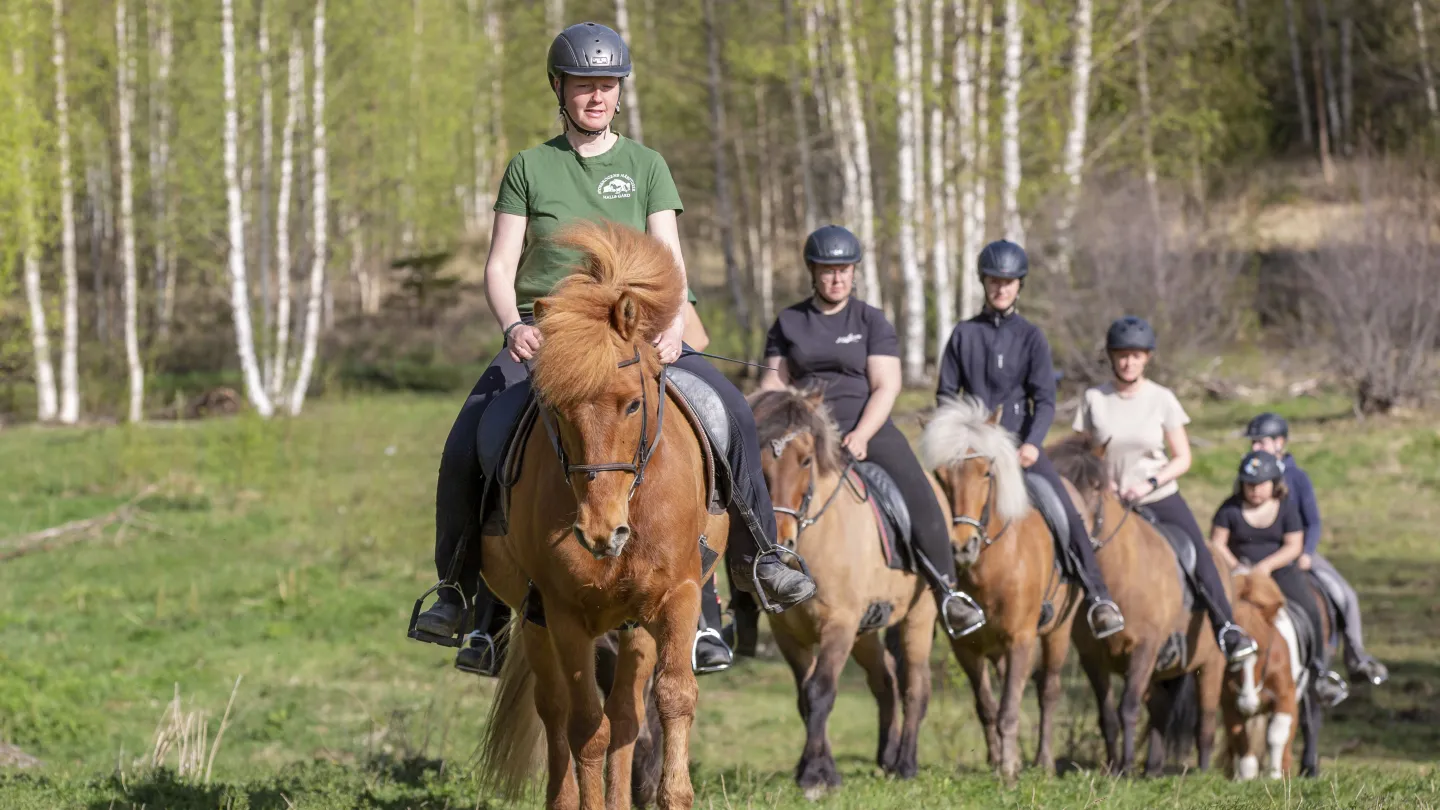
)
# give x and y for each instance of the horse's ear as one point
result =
(995, 417)
(1097, 449)
(541, 306)
(814, 397)
(624, 316)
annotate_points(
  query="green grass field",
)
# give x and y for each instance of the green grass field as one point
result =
(288, 554)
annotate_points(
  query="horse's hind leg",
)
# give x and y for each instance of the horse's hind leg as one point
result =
(977, 670)
(1310, 730)
(1017, 672)
(918, 631)
(625, 708)
(1099, 676)
(880, 676)
(1053, 649)
(676, 691)
(561, 791)
(1209, 682)
(1137, 679)
(801, 659)
(587, 729)
(816, 770)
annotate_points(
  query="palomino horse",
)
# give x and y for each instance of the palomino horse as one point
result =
(1006, 560)
(603, 531)
(1260, 708)
(1140, 568)
(831, 523)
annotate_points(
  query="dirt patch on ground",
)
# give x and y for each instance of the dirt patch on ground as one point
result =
(12, 757)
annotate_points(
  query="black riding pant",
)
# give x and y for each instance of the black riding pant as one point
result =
(891, 450)
(1080, 546)
(1173, 510)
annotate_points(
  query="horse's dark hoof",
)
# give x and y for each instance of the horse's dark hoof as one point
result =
(906, 770)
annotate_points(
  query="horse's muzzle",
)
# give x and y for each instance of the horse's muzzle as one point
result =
(967, 554)
(610, 546)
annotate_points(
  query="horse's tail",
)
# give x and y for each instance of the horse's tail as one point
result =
(510, 748)
(1183, 720)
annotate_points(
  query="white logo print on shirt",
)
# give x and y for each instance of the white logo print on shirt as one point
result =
(850, 338)
(616, 187)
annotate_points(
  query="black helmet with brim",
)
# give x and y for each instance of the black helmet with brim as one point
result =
(1003, 259)
(1259, 466)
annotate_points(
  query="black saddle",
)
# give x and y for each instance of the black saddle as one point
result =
(1184, 553)
(1047, 502)
(896, 531)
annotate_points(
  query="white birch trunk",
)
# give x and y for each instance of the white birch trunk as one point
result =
(1147, 145)
(1075, 139)
(555, 17)
(125, 72)
(914, 283)
(916, 16)
(1010, 123)
(631, 100)
(319, 205)
(1297, 68)
(480, 200)
(1426, 77)
(832, 104)
(941, 269)
(294, 99)
(982, 157)
(162, 44)
(807, 214)
(70, 342)
(267, 160)
(966, 123)
(768, 194)
(723, 206)
(45, 399)
(870, 268)
(495, 34)
(412, 146)
(239, 286)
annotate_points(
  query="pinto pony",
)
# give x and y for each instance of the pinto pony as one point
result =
(828, 521)
(1259, 702)
(1140, 567)
(1005, 557)
(606, 522)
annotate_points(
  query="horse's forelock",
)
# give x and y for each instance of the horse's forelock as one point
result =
(779, 414)
(1075, 458)
(960, 429)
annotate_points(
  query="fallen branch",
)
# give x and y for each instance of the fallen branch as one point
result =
(75, 530)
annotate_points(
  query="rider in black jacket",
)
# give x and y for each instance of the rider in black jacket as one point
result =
(1004, 360)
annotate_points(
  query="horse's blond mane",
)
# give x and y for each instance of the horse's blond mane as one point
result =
(960, 428)
(583, 338)
(779, 413)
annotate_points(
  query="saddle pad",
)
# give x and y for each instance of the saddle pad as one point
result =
(1336, 597)
(1184, 551)
(1306, 633)
(892, 515)
(1286, 629)
(1047, 501)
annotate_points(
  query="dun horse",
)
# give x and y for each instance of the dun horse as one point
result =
(831, 524)
(608, 537)
(1006, 559)
(1259, 701)
(1140, 568)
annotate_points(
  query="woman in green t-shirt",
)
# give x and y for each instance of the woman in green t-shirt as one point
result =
(588, 172)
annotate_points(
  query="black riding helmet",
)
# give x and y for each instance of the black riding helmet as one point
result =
(1003, 259)
(586, 49)
(1268, 425)
(832, 244)
(1130, 332)
(1259, 466)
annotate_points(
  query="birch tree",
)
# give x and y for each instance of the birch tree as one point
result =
(722, 172)
(631, 102)
(555, 16)
(916, 20)
(1075, 138)
(295, 92)
(1426, 77)
(239, 286)
(1147, 141)
(1296, 68)
(162, 54)
(975, 300)
(1331, 95)
(125, 78)
(941, 226)
(267, 158)
(802, 125)
(914, 283)
(966, 122)
(319, 205)
(1010, 123)
(870, 268)
(45, 399)
(70, 340)
(768, 199)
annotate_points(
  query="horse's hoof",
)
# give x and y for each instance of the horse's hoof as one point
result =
(815, 793)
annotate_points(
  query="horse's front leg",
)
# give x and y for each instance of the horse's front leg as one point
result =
(561, 792)
(1137, 680)
(588, 730)
(625, 709)
(1017, 672)
(676, 690)
(816, 771)
(1210, 680)
(880, 676)
(1310, 730)
(977, 671)
(1053, 649)
(918, 637)
(1098, 672)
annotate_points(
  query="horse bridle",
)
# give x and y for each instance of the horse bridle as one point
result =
(979, 525)
(644, 451)
(800, 513)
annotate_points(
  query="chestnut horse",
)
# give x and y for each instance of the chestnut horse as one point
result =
(1005, 557)
(606, 522)
(1260, 708)
(1140, 567)
(829, 522)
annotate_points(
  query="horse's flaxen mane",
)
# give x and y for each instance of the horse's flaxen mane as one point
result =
(960, 429)
(779, 414)
(585, 334)
(1075, 458)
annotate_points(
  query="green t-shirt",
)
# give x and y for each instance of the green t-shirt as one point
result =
(551, 185)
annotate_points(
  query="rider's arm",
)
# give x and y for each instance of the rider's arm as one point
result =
(1220, 542)
(663, 226)
(1178, 440)
(695, 334)
(883, 372)
(1304, 494)
(950, 382)
(507, 242)
(777, 377)
(1040, 390)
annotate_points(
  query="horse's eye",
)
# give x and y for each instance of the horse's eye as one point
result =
(805, 462)
(632, 408)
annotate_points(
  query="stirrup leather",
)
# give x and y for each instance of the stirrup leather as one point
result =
(1240, 653)
(708, 632)
(968, 601)
(1090, 618)
(776, 552)
(454, 640)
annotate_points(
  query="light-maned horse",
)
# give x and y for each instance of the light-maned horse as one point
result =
(1005, 557)
(1140, 567)
(1259, 702)
(823, 515)
(595, 545)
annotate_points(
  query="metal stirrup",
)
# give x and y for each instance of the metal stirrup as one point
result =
(708, 632)
(1245, 650)
(1090, 617)
(776, 551)
(968, 601)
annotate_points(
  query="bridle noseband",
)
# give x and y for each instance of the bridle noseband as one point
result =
(803, 520)
(980, 525)
(644, 451)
